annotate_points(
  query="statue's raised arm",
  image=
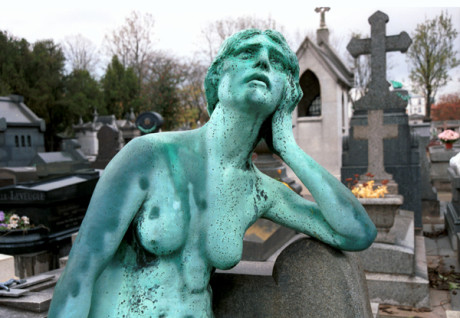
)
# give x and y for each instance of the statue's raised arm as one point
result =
(170, 207)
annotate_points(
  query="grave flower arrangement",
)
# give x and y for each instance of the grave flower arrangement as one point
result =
(12, 221)
(367, 189)
(449, 136)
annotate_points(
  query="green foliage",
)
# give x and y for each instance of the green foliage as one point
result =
(432, 55)
(137, 77)
(161, 89)
(14, 54)
(35, 72)
(82, 95)
(120, 87)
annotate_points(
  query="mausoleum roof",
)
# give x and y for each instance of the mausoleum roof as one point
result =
(16, 112)
(329, 58)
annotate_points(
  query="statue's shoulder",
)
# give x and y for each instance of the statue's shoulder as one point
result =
(160, 142)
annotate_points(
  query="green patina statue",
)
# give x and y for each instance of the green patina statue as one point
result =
(171, 207)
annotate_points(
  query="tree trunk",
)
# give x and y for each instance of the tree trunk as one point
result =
(428, 107)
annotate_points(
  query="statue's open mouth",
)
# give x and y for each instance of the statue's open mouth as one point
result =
(261, 78)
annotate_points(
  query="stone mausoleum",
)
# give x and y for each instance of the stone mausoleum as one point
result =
(321, 117)
(21, 132)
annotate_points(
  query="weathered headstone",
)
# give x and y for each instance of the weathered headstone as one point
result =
(308, 279)
(430, 202)
(110, 142)
(380, 142)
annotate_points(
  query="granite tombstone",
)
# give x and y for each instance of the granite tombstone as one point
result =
(380, 142)
(110, 142)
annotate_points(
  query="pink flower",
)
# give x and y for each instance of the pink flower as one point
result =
(26, 220)
(449, 136)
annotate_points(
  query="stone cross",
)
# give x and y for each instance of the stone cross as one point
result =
(379, 96)
(323, 11)
(375, 132)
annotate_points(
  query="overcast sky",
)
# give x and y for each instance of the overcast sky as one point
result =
(178, 24)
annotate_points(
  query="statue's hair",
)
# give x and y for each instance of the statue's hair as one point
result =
(293, 93)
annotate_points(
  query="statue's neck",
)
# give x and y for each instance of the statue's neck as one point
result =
(231, 135)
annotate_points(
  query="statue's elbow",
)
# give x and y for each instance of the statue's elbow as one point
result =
(366, 237)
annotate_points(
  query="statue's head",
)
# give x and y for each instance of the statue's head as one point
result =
(292, 93)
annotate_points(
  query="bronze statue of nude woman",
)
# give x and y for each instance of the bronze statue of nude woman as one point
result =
(172, 206)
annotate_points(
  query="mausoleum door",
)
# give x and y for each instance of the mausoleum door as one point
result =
(310, 104)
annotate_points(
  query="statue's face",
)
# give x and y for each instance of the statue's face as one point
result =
(254, 76)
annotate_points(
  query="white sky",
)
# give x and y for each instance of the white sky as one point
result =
(178, 23)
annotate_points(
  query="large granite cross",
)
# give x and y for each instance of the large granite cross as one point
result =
(378, 96)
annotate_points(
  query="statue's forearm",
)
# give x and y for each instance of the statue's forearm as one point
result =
(339, 206)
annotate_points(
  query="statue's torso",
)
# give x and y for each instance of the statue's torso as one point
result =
(193, 219)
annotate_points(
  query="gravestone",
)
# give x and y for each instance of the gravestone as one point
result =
(380, 142)
(306, 278)
(430, 202)
(110, 142)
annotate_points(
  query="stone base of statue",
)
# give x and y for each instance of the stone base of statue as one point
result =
(396, 272)
(305, 278)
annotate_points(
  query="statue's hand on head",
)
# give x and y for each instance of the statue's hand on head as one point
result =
(277, 129)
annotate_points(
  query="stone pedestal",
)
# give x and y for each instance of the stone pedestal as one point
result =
(452, 217)
(439, 159)
(382, 212)
(307, 279)
(400, 157)
(396, 273)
